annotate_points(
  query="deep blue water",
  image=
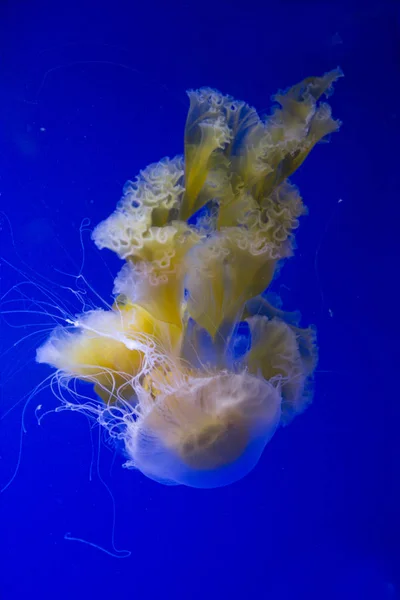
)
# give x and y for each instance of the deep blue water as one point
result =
(91, 94)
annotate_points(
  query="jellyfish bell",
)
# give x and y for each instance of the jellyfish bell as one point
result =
(169, 382)
(209, 432)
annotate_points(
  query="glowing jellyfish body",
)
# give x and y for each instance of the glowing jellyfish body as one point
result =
(201, 237)
(209, 432)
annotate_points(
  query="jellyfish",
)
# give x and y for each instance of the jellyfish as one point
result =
(201, 237)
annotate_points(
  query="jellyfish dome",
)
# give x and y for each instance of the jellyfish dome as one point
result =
(201, 236)
(208, 432)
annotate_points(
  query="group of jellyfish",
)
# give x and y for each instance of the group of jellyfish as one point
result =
(201, 236)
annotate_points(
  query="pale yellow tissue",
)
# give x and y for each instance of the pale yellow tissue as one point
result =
(206, 131)
(107, 347)
(282, 351)
(224, 272)
(153, 199)
(98, 350)
(153, 277)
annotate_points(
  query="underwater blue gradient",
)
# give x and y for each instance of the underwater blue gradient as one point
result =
(90, 95)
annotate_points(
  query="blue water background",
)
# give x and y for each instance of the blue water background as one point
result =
(89, 95)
